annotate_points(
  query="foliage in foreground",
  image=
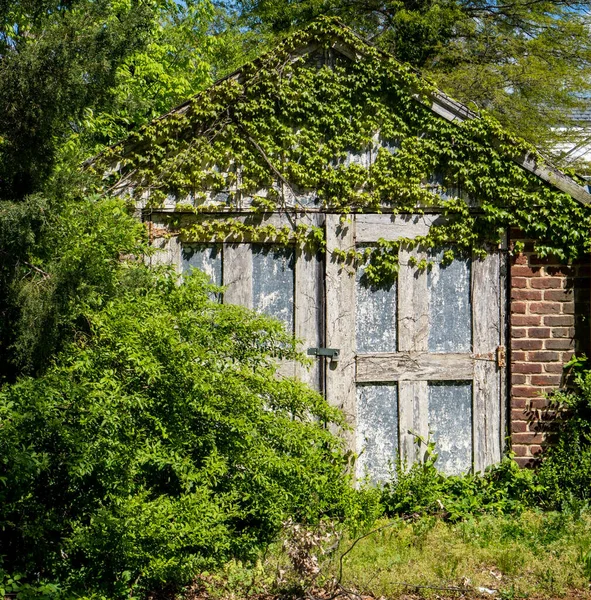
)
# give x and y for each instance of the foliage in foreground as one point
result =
(565, 471)
(423, 490)
(533, 554)
(186, 457)
(161, 443)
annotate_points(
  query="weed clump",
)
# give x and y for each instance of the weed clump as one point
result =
(561, 481)
(421, 489)
(565, 470)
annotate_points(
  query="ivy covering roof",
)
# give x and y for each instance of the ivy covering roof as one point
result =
(344, 41)
(297, 123)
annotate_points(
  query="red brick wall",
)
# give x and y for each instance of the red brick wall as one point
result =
(549, 320)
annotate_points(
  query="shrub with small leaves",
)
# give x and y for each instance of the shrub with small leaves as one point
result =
(421, 489)
(162, 443)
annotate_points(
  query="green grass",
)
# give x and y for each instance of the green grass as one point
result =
(534, 554)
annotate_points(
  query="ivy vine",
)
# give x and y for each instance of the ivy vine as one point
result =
(340, 127)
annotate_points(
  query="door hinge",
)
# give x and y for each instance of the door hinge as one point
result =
(501, 356)
(332, 353)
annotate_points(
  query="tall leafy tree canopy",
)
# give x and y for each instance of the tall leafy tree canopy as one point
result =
(76, 75)
(528, 62)
(87, 72)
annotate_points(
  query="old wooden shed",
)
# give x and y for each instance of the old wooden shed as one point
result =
(326, 184)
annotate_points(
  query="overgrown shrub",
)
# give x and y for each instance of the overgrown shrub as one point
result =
(13, 586)
(562, 481)
(565, 470)
(161, 443)
(422, 490)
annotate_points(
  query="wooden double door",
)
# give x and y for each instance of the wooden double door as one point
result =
(419, 358)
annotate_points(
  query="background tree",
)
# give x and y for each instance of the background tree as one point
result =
(90, 68)
(75, 76)
(527, 62)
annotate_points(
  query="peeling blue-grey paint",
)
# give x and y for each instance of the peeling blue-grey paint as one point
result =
(273, 281)
(206, 257)
(450, 309)
(375, 311)
(377, 430)
(450, 421)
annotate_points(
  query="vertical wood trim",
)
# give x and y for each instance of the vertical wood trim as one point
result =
(413, 305)
(413, 418)
(168, 252)
(413, 336)
(486, 334)
(340, 322)
(308, 290)
(504, 340)
(237, 274)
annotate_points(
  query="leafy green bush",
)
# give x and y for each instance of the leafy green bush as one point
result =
(562, 481)
(421, 489)
(12, 586)
(161, 443)
(565, 471)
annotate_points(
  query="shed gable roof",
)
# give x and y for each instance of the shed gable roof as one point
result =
(328, 33)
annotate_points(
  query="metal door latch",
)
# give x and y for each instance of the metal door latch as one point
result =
(332, 353)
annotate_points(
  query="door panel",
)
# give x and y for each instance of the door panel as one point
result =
(285, 282)
(432, 337)
(205, 257)
(375, 316)
(273, 273)
(450, 421)
(450, 306)
(377, 428)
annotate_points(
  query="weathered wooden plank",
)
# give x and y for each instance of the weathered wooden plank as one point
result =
(504, 329)
(553, 176)
(450, 109)
(413, 305)
(288, 368)
(412, 419)
(309, 313)
(371, 227)
(237, 274)
(414, 366)
(256, 222)
(413, 335)
(340, 321)
(168, 252)
(486, 333)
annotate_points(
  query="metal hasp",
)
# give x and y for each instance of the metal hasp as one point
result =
(332, 353)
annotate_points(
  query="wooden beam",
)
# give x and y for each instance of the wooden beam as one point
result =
(454, 111)
(372, 227)
(414, 366)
